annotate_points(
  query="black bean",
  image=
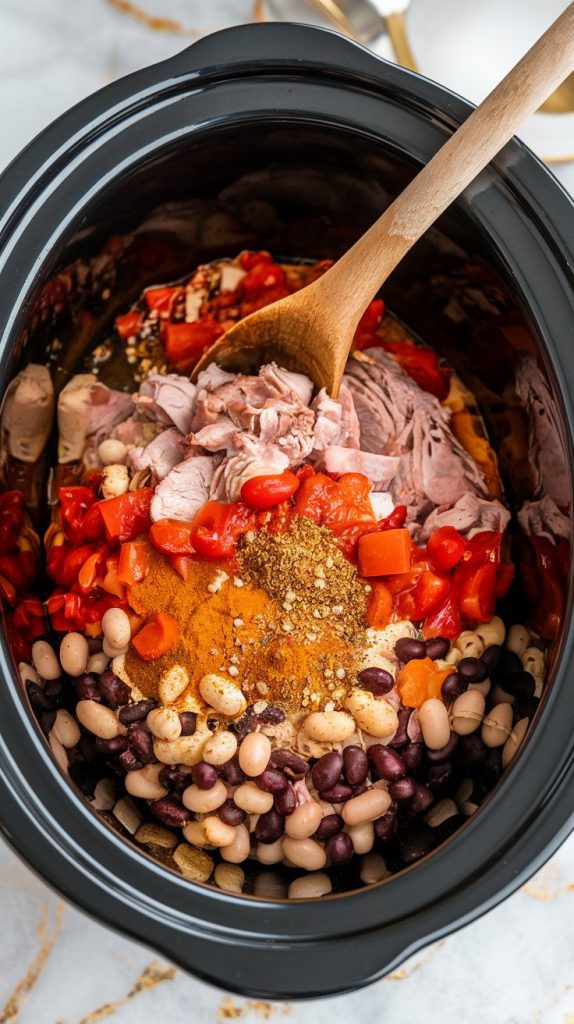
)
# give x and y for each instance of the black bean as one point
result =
(293, 765)
(112, 748)
(415, 842)
(53, 690)
(38, 698)
(491, 768)
(247, 723)
(176, 778)
(439, 774)
(339, 848)
(136, 712)
(87, 688)
(386, 763)
(401, 736)
(128, 761)
(473, 670)
(188, 720)
(113, 689)
(519, 684)
(525, 707)
(286, 801)
(327, 771)
(337, 794)
(492, 657)
(231, 814)
(170, 811)
(412, 756)
(386, 826)
(271, 715)
(232, 772)
(422, 799)
(409, 649)
(377, 680)
(47, 719)
(271, 781)
(141, 743)
(402, 789)
(330, 825)
(452, 687)
(437, 647)
(445, 753)
(471, 751)
(204, 775)
(86, 776)
(270, 826)
(87, 747)
(510, 662)
(355, 765)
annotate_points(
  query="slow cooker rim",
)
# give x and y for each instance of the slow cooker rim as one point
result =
(347, 896)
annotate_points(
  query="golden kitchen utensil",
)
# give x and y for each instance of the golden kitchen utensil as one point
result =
(313, 329)
(562, 99)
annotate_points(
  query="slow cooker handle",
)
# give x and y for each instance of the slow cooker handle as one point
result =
(277, 47)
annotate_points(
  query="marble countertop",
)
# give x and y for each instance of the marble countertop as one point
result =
(513, 966)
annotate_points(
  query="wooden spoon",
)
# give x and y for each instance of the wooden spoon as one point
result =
(312, 330)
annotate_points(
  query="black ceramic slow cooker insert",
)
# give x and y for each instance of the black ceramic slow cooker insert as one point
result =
(293, 139)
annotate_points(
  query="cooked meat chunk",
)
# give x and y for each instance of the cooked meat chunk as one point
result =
(469, 515)
(185, 489)
(167, 399)
(88, 409)
(380, 469)
(161, 455)
(27, 413)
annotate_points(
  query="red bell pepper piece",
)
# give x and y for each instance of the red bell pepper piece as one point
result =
(74, 502)
(217, 527)
(248, 260)
(133, 564)
(445, 621)
(172, 537)
(11, 519)
(185, 343)
(445, 548)
(162, 299)
(158, 636)
(128, 515)
(128, 324)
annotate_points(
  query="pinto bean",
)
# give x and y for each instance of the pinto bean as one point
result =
(366, 807)
(220, 748)
(194, 832)
(373, 869)
(304, 853)
(467, 712)
(329, 726)
(74, 654)
(217, 832)
(433, 719)
(514, 740)
(99, 720)
(97, 663)
(270, 853)
(470, 644)
(362, 836)
(222, 695)
(164, 723)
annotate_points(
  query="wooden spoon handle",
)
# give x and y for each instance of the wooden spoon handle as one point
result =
(347, 288)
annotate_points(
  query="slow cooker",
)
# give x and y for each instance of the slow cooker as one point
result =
(294, 139)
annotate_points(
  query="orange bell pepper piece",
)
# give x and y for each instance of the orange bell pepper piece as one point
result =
(157, 637)
(419, 680)
(133, 564)
(386, 553)
(380, 606)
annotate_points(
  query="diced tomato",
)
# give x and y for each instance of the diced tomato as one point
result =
(133, 563)
(11, 519)
(445, 548)
(384, 554)
(217, 527)
(366, 333)
(477, 593)
(128, 515)
(185, 343)
(158, 636)
(337, 504)
(429, 593)
(183, 565)
(128, 324)
(74, 503)
(162, 299)
(380, 606)
(264, 492)
(248, 260)
(262, 277)
(30, 617)
(422, 364)
(172, 537)
(419, 680)
(445, 621)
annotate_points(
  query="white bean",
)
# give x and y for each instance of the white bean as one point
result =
(144, 782)
(433, 719)
(470, 644)
(115, 480)
(222, 695)
(497, 725)
(98, 663)
(99, 720)
(533, 661)
(304, 820)
(112, 451)
(28, 674)
(514, 740)
(164, 723)
(467, 712)
(252, 799)
(368, 806)
(329, 726)
(254, 753)
(362, 836)
(45, 661)
(66, 729)
(518, 639)
(203, 801)
(445, 809)
(373, 715)
(184, 750)
(219, 748)
(492, 632)
(217, 832)
(270, 853)
(194, 832)
(239, 849)
(309, 887)
(172, 684)
(304, 853)
(116, 627)
(74, 654)
(373, 869)
(113, 652)
(58, 751)
(454, 656)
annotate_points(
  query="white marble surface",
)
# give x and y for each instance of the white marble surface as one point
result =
(514, 966)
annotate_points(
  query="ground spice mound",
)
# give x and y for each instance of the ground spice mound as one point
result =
(288, 629)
